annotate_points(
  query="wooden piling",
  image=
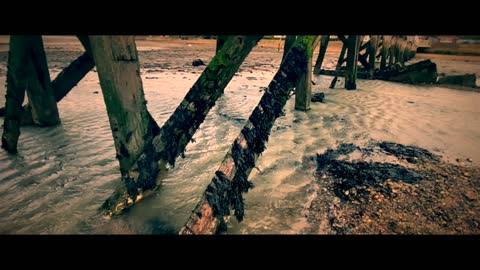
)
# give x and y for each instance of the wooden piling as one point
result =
(220, 41)
(372, 54)
(118, 70)
(392, 52)
(289, 40)
(65, 80)
(15, 94)
(178, 131)
(27, 71)
(40, 92)
(321, 54)
(231, 179)
(303, 89)
(401, 51)
(341, 60)
(384, 53)
(352, 59)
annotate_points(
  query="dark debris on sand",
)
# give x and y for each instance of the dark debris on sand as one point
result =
(412, 192)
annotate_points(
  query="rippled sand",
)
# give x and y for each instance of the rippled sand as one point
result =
(62, 175)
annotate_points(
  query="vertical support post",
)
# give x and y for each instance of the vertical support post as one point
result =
(41, 98)
(392, 52)
(16, 85)
(303, 89)
(372, 54)
(353, 42)
(321, 54)
(401, 51)
(413, 50)
(384, 53)
(118, 70)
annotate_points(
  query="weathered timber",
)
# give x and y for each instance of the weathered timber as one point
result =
(179, 129)
(220, 41)
(384, 52)
(71, 75)
(365, 45)
(118, 69)
(362, 58)
(401, 45)
(182, 124)
(421, 72)
(341, 72)
(41, 99)
(468, 80)
(343, 39)
(16, 85)
(27, 71)
(231, 179)
(372, 54)
(352, 59)
(413, 50)
(65, 80)
(321, 54)
(393, 51)
(289, 40)
(341, 59)
(303, 89)
(74, 73)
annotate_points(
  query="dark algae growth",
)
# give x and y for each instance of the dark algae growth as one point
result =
(409, 191)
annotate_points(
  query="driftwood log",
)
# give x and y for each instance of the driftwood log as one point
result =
(421, 72)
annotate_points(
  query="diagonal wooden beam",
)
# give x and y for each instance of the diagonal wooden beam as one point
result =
(177, 132)
(65, 80)
(231, 179)
(341, 60)
(321, 54)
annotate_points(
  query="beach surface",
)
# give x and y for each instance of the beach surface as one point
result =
(61, 175)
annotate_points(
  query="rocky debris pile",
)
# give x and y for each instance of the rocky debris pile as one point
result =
(390, 188)
(318, 97)
(198, 62)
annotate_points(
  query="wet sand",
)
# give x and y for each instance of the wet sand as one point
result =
(63, 174)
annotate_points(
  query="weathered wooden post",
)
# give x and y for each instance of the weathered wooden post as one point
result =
(231, 179)
(220, 41)
(118, 70)
(27, 71)
(372, 54)
(352, 59)
(401, 51)
(65, 80)
(289, 40)
(341, 59)
(384, 52)
(40, 92)
(303, 89)
(413, 50)
(321, 54)
(177, 132)
(392, 51)
(16, 85)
